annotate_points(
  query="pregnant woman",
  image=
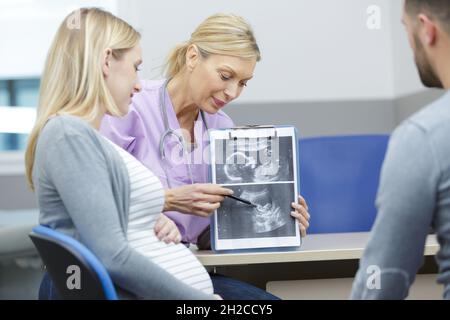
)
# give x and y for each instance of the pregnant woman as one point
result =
(91, 189)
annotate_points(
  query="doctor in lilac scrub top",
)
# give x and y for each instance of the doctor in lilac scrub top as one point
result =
(205, 74)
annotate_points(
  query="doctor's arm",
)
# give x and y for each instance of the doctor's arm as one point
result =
(197, 199)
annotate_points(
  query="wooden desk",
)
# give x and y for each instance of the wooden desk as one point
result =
(323, 268)
(318, 247)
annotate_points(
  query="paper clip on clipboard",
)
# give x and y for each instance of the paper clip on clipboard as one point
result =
(253, 126)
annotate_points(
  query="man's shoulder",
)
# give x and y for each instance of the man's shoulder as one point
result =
(433, 117)
(427, 130)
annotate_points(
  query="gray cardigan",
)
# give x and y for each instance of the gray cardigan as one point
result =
(83, 191)
(414, 194)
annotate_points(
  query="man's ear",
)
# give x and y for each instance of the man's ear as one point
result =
(192, 57)
(106, 61)
(428, 30)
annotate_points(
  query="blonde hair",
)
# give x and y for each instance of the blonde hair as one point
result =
(222, 33)
(72, 82)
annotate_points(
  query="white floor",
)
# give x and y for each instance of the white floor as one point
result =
(19, 282)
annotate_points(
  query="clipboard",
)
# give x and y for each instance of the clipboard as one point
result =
(260, 164)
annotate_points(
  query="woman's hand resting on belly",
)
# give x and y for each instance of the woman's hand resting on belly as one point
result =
(166, 230)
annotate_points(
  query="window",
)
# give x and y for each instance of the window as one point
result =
(16, 94)
(4, 99)
(22, 58)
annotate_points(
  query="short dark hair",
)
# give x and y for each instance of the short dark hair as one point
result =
(438, 9)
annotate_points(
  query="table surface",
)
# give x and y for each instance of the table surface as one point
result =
(316, 247)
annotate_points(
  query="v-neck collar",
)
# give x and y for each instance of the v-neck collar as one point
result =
(174, 124)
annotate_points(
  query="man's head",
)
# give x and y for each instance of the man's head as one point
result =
(428, 23)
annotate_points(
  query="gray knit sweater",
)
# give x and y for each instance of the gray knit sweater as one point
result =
(414, 194)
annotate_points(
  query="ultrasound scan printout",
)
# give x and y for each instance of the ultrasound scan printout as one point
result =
(261, 171)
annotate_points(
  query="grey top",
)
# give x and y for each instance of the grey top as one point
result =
(414, 194)
(83, 191)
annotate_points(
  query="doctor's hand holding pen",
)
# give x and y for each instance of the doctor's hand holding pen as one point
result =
(203, 199)
(200, 199)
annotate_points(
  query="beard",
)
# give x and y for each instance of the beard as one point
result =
(427, 75)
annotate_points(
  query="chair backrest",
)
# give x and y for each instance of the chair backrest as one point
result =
(66, 258)
(339, 178)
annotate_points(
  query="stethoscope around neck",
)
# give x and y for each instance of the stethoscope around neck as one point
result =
(169, 132)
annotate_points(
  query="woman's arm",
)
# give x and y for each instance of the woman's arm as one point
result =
(78, 170)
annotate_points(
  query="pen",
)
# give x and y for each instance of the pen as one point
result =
(243, 201)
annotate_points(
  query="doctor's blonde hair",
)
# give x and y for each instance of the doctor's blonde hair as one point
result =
(72, 82)
(222, 33)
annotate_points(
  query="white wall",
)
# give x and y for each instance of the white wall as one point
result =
(27, 28)
(312, 50)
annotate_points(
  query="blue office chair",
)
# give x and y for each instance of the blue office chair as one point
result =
(59, 252)
(339, 178)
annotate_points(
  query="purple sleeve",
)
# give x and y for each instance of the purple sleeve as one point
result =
(122, 131)
(225, 122)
